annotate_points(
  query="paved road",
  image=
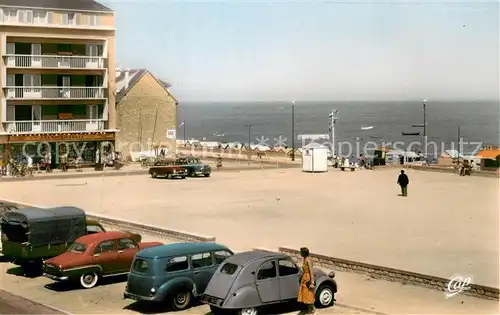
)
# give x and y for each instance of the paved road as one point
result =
(13, 304)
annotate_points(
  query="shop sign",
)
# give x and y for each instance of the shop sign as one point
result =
(171, 133)
(63, 137)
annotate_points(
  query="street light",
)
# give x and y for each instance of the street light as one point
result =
(333, 119)
(293, 131)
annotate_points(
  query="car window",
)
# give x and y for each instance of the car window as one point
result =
(126, 243)
(177, 264)
(94, 229)
(228, 269)
(140, 266)
(104, 247)
(77, 248)
(202, 260)
(220, 256)
(287, 267)
(267, 271)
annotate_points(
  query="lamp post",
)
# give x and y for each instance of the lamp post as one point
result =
(184, 128)
(249, 147)
(333, 119)
(293, 132)
(424, 105)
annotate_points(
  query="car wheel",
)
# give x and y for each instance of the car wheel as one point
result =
(153, 174)
(248, 311)
(207, 175)
(325, 296)
(181, 301)
(89, 280)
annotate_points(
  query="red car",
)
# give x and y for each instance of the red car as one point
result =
(94, 256)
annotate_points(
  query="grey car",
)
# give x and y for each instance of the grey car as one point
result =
(248, 281)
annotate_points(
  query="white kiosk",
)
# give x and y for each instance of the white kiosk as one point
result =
(314, 158)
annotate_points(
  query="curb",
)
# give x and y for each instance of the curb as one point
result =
(391, 274)
(180, 236)
(75, 175)
(47, 306)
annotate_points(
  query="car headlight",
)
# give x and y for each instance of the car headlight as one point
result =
(153, 290)
(331, 274)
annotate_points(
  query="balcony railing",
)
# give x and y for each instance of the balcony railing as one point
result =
(44, 92)
(54, 62)
(50, 126)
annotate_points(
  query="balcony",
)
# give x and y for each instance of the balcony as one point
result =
(54, 93)
(52, 126)
(54, 62)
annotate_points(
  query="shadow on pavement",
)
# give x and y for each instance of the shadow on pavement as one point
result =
(65, 286)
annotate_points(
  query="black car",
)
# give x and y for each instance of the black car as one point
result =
(194, 166)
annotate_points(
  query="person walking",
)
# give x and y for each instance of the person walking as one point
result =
(306, 290)
(403, 181)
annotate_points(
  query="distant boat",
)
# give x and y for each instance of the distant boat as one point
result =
(367, 128)
(410, 133)
(218, 134)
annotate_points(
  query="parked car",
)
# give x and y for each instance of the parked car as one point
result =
(94, 256)
(174, 273)
(194, 166)
(167, 171)
(30, 235)
(248, 281)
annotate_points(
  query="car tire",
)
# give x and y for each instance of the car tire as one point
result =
(153, 175)
(183, 177)
(32, 269)
(207, 175)
(89, 280)
(325, 296)
(248, 311)
(181, 301)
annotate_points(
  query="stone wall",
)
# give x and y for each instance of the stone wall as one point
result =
(390, 274)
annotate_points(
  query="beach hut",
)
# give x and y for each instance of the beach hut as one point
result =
(490, 158)
(393, 157)
(315, 158)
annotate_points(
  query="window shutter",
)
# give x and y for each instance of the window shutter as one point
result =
(21, 15)
(50, 17)
(78, 19)
(29, 16)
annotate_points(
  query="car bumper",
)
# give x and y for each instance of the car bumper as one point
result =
(56, 278)
(127, 295)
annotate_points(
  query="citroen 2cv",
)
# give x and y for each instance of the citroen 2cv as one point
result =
(248, 281)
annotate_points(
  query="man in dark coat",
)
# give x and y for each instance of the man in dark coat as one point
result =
(403, 181)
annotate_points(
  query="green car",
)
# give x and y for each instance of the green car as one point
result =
(31, 235)
(176, 274)
(194, 166)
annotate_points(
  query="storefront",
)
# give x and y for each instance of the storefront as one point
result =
(82, 146)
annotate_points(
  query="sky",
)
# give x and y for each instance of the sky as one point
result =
(298, 50)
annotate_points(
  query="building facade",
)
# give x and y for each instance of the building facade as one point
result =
(146, 114)
(58, 92)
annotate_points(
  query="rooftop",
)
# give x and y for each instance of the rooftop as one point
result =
(179, 249)
(102, 236)
(127, 78)
(244, 258)
(489, 154)
(78, 5)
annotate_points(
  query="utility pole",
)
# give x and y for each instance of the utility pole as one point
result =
(184, 125)
(293, 132)
(333, 119)
(249, 149)
(459, 144)
(424, 103)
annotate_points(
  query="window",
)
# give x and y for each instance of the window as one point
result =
(1, 15)
(91, 229)
(202, 260)
(77, 248)
(50, 17)
(64, 19)
(267, 271)
(29, 16)
(93, 20)
(12, 17)
(104, 247)
(78, 19)
(140, 266)
(228, 269)
(21, 15)
(287, 267)
(40, 17)
(177, 264)
(220, 256)
(71, 18)
(126, 243)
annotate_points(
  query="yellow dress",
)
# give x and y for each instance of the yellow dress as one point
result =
(306, 295)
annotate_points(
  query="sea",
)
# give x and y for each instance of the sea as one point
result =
(476, 123)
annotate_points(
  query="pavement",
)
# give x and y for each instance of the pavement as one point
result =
(358, 294)
(448, 225)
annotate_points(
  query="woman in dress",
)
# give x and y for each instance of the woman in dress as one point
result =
(306, 290)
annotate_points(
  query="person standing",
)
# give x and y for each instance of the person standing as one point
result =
(403, 181)
(306, 290)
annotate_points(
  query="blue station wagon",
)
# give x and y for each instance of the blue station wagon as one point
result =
(174, 273)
